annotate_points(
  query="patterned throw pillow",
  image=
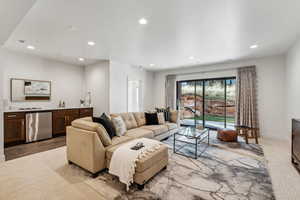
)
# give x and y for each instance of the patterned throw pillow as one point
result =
(119, 125)
(161, 118)
(166, 112)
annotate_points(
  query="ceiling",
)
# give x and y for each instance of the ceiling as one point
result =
(11, 13)
(210, 31)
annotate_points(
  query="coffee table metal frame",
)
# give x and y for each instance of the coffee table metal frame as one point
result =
(198, 138)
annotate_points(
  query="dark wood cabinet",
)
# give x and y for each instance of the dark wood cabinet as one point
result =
(63, 118)
(14, 128)
(71, 115)
(58, 122)
(86, 112)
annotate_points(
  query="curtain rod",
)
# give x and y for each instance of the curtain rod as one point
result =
(203, 72)
(215, 70)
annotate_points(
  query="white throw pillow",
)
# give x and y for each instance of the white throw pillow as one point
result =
(161, 118)
(119, 125)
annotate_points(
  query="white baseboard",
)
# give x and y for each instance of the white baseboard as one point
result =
(2, 158)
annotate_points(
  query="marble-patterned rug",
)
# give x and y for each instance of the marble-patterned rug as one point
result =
(225, 171)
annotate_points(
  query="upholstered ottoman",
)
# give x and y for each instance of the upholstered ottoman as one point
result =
(148, 166)
(227, 135)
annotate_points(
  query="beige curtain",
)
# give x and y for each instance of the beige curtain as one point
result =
(246, 99)
(170, 91)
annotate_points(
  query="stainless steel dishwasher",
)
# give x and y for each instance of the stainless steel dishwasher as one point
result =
(38, 126)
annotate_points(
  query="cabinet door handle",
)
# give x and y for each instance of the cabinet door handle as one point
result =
(11, 116)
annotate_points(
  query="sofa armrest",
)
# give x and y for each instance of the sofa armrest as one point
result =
(84, 124)
(85, 149)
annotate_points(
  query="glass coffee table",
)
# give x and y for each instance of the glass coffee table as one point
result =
(190, 137)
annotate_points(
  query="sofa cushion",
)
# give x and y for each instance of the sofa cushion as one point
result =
(129, 120)
(139, 133)
(119, 140)
(86, 125)
(140, 118)
(103, 135)
(171, 126)
(89, 119)
(116, 142)
(157, 129)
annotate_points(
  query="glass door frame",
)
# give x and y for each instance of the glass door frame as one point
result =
(203, 93)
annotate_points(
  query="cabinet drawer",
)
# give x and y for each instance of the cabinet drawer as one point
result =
(8, 116)
(72, 112)
(58, 113)
(86, 112)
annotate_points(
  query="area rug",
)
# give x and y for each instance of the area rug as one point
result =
(225, 171)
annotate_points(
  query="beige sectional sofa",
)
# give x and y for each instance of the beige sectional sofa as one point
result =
(86, 148)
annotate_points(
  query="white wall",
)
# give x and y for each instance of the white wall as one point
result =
(1, 112)
(67, 80)
(97, 82)
(119, 75)
(271, 85)
(293, 84)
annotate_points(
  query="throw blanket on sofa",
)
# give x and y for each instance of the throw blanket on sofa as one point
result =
(123, 161)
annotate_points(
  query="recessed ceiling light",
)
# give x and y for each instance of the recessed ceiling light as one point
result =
(152, 65)
(72, 28)
(81, 59)
(254, 46)
(30, 47)
(143, 21)
(191, 57)
(91, 43)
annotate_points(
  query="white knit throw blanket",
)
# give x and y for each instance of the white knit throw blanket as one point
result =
(123, 161)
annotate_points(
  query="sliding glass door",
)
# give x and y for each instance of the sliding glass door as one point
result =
(199, 103)
(214, 103)
(230, 103)
(209, 102)
(186, 102)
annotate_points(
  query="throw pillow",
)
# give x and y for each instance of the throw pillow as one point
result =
(120, 125)
(161, 118)
(166, 112)
(106, 123)
(151, 118)
(174, 116)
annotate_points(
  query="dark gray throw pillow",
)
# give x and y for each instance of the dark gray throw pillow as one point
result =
(151, 119)
(107, 124)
